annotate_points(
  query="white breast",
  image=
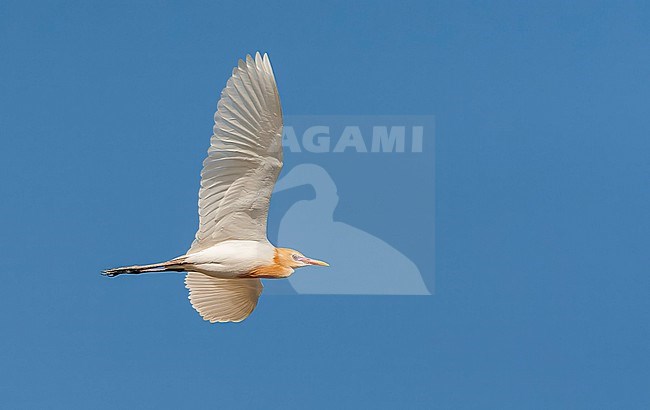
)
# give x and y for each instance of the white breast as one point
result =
(229, 259)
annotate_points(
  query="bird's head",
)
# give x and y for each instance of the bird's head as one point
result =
(293, 259)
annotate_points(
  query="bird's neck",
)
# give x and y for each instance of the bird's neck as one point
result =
(271, 272)
(275, 269)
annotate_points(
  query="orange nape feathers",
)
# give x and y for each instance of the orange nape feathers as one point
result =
(287, 257)
(282, 266)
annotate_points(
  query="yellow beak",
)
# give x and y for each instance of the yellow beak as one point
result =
(315, 262)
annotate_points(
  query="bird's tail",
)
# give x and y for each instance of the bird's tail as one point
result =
(173, 265)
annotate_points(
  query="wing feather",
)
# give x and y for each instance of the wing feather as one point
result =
(222, 300)
(244, 158)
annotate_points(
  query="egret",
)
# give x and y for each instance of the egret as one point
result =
(231, 251)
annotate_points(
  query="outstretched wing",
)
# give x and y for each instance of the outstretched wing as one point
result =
(222, 300)
(244, 159)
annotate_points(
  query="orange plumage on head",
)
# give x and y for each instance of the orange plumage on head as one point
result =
(281, 267)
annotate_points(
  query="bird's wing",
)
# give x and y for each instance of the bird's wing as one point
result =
(244, 159)
(222, 300)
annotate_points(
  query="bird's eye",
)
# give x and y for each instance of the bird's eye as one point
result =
(295, 257)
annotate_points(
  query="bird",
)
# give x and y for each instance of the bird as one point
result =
(231, 251)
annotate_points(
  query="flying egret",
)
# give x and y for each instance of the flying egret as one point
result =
(231, 251)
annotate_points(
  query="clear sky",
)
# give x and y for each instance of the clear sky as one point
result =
(541, 205)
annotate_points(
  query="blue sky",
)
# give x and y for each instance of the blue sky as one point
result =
(541, 205)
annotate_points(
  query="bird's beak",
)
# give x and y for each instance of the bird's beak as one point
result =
(315, 262)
